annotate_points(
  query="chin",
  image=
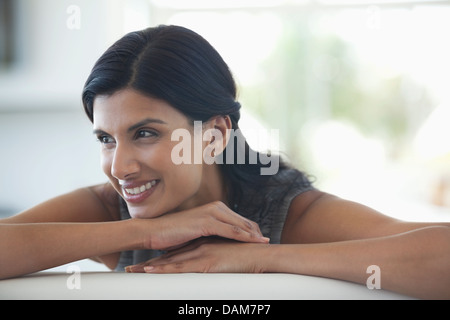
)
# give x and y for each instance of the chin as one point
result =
(142, 213)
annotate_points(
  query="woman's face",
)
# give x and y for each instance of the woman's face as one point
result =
(135, 133)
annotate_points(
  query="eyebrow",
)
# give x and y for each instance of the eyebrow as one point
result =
(143, 123)
(136, 125)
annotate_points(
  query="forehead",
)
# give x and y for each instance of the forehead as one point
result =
(128, 106)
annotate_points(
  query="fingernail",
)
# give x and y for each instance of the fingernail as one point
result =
(149, 268)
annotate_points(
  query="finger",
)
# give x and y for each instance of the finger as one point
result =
(181, 245)
(181, 266)
(162, 259)
(235, 232)
(136, 268)
(139, 268)
(228, 215)
(180, 260)
(166, 268)
(236, 224)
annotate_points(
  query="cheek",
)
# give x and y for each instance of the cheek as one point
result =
(181, 181)
(182, 184)
(178, 173)
(186, 176)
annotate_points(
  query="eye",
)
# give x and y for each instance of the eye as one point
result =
(146, 133)
(105, 140)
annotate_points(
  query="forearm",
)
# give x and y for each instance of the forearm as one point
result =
(26, 248)
(415, 263)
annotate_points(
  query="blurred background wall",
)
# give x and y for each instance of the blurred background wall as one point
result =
(359, 91)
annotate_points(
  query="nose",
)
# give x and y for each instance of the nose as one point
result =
(124, 163)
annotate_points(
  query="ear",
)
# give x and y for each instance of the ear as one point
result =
(217, 134)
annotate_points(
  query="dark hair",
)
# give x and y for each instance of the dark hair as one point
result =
(171, 63)
(179, 66)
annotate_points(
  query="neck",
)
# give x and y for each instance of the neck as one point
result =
(212, 188)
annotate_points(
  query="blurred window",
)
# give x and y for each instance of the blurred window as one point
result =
(353, 86)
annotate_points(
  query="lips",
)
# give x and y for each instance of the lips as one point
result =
(142, 188)
(137, 192)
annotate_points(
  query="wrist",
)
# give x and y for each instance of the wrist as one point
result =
(277, 258)
(268, 258)
(137, 234)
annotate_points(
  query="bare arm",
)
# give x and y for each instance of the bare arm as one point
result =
(334, 238)
(330, 237)
(83, 224)
(31, 247)
(98, 203)
(60, 222)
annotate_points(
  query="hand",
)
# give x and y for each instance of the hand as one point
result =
(213, 219)
(211, 254)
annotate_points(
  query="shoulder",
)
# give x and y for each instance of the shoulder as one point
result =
(316, 217)
(298, 209)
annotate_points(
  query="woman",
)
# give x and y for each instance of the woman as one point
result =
(207, 216)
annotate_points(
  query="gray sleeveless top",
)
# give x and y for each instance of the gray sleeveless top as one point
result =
(267, 207)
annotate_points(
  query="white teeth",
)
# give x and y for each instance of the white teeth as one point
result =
(142, 188)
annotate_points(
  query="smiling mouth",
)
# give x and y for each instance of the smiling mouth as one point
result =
(140, 189)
